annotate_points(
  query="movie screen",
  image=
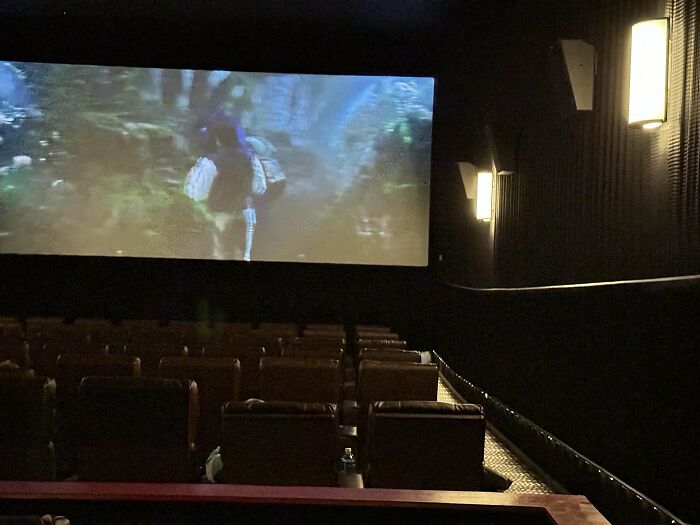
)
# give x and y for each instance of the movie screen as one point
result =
(142, 162)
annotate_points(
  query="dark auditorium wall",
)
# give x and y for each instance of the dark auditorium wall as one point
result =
(611, 371)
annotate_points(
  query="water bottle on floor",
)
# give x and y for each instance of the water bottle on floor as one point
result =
(347, 462)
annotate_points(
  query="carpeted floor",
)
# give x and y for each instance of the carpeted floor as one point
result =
(500, 459)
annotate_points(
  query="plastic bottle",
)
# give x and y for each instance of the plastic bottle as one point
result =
(347, 462)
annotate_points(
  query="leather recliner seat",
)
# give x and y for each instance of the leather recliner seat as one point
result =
(390, 355)
(425, 445)
(135, 429)
(279, 443)
(249, 357)
(320, 352)
(381, 343)
(218, 382)
(387, 381)
(26, 406)
(70, 371)
(301, 380)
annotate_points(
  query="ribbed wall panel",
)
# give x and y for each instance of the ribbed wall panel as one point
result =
(597, 199)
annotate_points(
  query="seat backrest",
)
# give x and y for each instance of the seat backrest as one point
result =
(372, 328)
(380, 343)
(218, 382)
(249, 357)
(387, 381)
(150, 354)
(72, 368)
(272, 344)
(45, 353)
(279, 443)
(324, 341)
(320, 352)
(26, 451)
(390, 354)
(425, 445)
(137, 429)
(15, 350)
(300, 380)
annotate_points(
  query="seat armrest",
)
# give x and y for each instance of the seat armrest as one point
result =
(350, 480)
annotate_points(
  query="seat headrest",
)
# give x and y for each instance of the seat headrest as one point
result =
(94, 383)
(395, 365)
(426, 407)
(258, 406)
(298, 362)
(199, 363)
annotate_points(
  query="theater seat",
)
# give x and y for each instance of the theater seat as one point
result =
(137, 429)
(272, 344)
(320, 352)
(15, 350)
(301, 380)
(380, 343)
(279, 443)
(322, 341)
(70, 371)
(218, 381)
(379, 381)
(150, 354)
(26, 407)
(390, 355)
(249, 357)
(34, 520)
(425, 445)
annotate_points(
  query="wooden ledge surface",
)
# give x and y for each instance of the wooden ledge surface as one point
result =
(563, 509)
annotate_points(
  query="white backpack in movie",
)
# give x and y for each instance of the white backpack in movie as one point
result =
(200, 178)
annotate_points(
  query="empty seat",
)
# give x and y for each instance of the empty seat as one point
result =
(372, 328)
(150, 354)
(279, 443)
(328, 341)
(381, 343)
(44, 354)
(444, 441)
(281, 328)
(390, 354)
(301, 380)
(16, 351)
(249, 358)
(326, 327)
(137, 429)
(46, 519)
(218, 381)
(320, 352)
(70, 371)
(233, 328)
(26, 407)
(381, 381)
(272, 344)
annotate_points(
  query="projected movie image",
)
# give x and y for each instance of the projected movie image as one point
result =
(116, 161)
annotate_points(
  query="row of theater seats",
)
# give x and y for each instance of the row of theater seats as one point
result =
(144, 429)
(216, 380)
(315, 368)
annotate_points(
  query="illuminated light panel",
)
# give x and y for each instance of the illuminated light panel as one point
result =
(484, 191)
(648, 73)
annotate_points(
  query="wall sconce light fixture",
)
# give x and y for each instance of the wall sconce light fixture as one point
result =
(648, 73)
(484, 192)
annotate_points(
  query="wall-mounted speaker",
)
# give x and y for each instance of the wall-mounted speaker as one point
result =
(468, 172)
(573, 75)
(503, 140)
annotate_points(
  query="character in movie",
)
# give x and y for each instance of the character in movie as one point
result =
(233, 164)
